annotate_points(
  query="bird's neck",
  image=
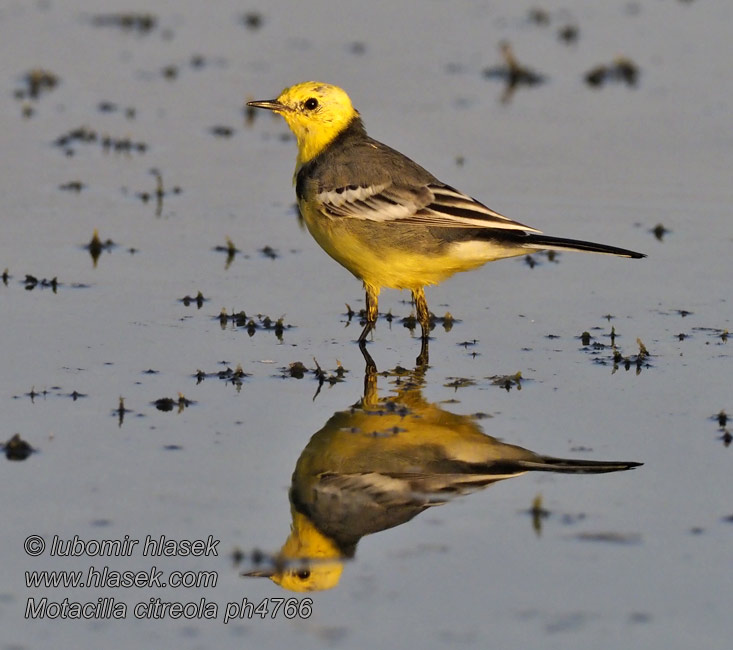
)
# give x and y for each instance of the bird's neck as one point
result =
(313, 144)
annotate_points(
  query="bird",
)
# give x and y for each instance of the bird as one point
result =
(385, 218)
(381, 462)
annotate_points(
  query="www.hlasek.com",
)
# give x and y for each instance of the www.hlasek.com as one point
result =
(104, 577)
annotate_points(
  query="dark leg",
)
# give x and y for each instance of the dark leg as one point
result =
(423, 315)
(370, 371)
(372, 310)
(422, 360)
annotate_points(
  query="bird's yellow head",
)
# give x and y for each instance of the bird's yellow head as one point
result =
(323, 561)
(315, 112)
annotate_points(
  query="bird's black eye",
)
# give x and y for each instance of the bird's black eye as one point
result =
(304, 574)
(311, 103)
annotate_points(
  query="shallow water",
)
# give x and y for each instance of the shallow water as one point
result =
(635, 557)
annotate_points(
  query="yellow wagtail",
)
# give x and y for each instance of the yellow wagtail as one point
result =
(385, 218)
(383, 461)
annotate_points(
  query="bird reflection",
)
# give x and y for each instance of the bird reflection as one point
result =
(380, 463)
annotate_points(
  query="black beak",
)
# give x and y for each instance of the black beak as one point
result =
(269, 104)
(258, 573)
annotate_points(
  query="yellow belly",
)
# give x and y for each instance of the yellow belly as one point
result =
(393, 255)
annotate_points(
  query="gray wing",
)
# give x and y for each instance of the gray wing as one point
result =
(430, 204)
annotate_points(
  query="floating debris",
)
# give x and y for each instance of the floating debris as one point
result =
(615, 356)
(323, 377)
(569, 519)
(129, 21)
(643, 352)
(237, 556)
(227, 375)
(538, 513)
(454, 67)
(222, 131)
(722, 418)
(84, 135)
(531, 260)
(538, 16)
(622, 70)
(110, 107)
(596, 76)
(199, 300)
(197, 61)
(122, 145)
(120, 412)
(719, 336)
(96, 246)
(684, 313)
(252, 20)
(448, 321)
(459, 382)
(230, 249)
(72, 186)
(16, 448)
(270, 252)
(610, 537)
(5, 277)
(167, 404)
(159, 194)
(626, 70)
(240, 319)
(170, 72)
(512, 73)
(298, 370)
(234, 377)
(34, 83)
(358, 48)
(81, 134)
(52, 391)
(568, 34)
(507, 382)
(31, 282)
(659, 231)
(410, 322)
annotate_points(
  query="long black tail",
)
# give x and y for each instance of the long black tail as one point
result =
(547, 242)
(572, 466)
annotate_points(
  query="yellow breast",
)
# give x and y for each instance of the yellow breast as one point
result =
(389, 255)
